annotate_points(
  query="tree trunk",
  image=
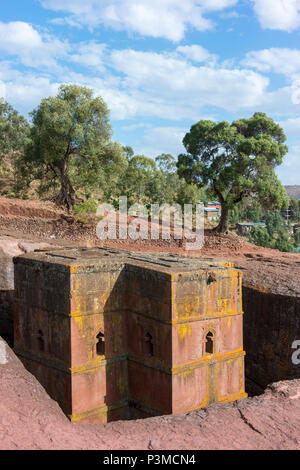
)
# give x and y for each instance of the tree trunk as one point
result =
(223, 224)
(66, 196)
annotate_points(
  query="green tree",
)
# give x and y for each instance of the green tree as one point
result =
(138, 181)
(128, 151)
(260, 236)
(275, 223)
(173, 188)
(234, 215)
(253, 211)
(166, 163)
(294, 207)
(69, 131)
(14, 130)
(167, 184)
(236, 160)
(283, 243)
(275, 235)
(102, 171)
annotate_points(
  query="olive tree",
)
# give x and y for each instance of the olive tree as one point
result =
(70, 130)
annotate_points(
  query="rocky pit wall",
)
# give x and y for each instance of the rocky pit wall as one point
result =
(271, 325)
(7, 288)
(10, 247)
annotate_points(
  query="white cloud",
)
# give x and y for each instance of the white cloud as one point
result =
(27, 91)
(196, 53)
(134, 127)
(291, 127)
(16, 34)
(121, 103)
(167, 86)
(279, 60)
(147, 84)
(19, 39)
(278, 14)
(159, 140)
(167, 80)
(89, 54)
(280, 102)
(289, 171)
(2, 91)
(158, 18)
(24, 90)
(174, 85)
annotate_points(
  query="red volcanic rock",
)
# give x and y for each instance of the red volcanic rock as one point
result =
(10, 247)
(29, 419)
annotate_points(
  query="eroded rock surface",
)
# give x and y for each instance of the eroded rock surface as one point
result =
(10, 247)
(29, 419)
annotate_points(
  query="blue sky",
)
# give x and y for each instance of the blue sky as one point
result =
(160, 65)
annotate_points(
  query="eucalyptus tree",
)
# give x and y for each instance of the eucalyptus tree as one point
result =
(235, 161)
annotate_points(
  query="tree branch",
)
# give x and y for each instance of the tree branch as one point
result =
(241, 196)
(219, 194)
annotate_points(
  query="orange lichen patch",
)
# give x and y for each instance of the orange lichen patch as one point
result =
(90, 366)
(229, 398)
(74, 269)
(183, 330)
(207, 359)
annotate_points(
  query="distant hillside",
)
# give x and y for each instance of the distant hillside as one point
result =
(293, 191)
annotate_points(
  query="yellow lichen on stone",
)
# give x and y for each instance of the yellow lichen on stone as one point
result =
(183, 329)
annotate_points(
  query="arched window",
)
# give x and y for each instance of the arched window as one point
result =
(211, 278)
(209, 345)
(149, 345)
(41, 341)
(100, 346)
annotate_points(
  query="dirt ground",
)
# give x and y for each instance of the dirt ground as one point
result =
(29, 419)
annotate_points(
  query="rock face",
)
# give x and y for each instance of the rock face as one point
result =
(7, 250)
(29, 419)
(271, 303)
(10, 247)
(271, 328)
